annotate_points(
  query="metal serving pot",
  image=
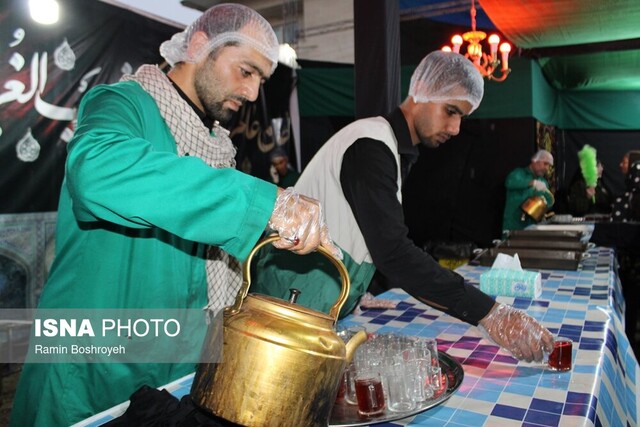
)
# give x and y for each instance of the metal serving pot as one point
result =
(281, 363)
(535, 207)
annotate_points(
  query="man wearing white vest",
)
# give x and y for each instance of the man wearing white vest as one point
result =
(358, 175)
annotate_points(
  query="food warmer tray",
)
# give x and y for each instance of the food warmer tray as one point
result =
(569, 245)
(571, 235)
(534, 258)
(345, 415)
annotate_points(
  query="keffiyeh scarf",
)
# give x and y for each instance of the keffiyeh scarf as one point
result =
(224, 272)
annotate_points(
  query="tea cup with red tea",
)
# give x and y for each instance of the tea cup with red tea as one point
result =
(561, 356)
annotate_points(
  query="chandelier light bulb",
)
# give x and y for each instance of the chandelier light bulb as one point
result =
(494, 40)
(456, 41)
(505, 48)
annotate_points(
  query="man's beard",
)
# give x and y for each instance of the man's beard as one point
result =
(217, 112)
(427, 143)
(210, 96)
(213, 108)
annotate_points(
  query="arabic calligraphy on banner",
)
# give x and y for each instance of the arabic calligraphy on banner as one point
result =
(44, 72)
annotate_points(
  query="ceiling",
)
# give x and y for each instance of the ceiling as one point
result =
(579, 44)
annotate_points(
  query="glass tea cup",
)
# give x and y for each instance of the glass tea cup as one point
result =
(400, 387)
(560, 358)
(369, 392)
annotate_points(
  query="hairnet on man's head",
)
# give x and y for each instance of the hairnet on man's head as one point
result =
(223, 24)
(543, 156)
(444, 76)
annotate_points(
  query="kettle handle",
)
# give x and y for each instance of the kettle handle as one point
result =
(246, 282)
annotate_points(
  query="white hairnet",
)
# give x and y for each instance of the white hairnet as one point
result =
(443, 76)
(224, 23)
(543, 156)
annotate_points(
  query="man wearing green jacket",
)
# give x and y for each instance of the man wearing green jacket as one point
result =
(152, 212)
(522, 183)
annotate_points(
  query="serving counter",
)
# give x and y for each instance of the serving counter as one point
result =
(585, 305)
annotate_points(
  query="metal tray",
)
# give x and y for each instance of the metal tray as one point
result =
(571, 235)
(345, 415)
(535, 258)
(569, 245)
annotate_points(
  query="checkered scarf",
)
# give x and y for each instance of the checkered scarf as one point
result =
(224, 272)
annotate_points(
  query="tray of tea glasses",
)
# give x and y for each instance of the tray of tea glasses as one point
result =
(346, 415)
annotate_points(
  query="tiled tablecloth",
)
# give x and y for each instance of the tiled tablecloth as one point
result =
(497, 390)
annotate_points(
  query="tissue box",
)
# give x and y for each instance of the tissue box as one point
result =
(511, 283)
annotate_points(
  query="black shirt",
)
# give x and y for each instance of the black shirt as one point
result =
(369, 181)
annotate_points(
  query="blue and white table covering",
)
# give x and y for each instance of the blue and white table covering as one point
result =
(585, 305)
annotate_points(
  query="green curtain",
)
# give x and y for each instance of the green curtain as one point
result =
(525, 93)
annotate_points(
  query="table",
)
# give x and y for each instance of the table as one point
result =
(585, 305)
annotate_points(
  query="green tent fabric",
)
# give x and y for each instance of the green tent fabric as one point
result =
(525, 93)
(596, 71)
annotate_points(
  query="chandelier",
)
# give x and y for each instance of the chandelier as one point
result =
(487, 64)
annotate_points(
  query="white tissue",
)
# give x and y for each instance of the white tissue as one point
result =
(507, 261)
(507, 278)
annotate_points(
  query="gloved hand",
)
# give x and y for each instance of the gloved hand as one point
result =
(517, 332)
(300, 223)
(539, 185)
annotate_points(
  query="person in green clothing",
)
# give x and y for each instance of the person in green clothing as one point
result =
(281, 171)
(522, 183)
(153, 214)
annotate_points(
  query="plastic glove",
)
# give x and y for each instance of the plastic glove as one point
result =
(517, 332)
(539, 185)
(300, 223)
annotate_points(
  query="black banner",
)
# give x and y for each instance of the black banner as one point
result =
(44, 72)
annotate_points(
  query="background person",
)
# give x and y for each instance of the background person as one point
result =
(626, 208)
(628, 158)
(358, 174)
(152, 212)
(281, 171)
(584, 200)
(522, 183)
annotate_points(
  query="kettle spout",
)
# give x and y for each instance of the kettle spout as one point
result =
(354, 343)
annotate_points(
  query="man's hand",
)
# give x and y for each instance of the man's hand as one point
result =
(300, 223)
(517, 332)
(538, 185)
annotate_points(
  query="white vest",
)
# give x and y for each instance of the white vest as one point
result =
(321, 180)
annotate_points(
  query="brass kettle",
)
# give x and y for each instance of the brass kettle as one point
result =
(535, 207)
(281, 362)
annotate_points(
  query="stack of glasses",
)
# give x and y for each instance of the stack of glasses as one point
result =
(391, 372)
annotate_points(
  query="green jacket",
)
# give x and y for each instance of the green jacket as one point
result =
(519, 190)
(133, 221)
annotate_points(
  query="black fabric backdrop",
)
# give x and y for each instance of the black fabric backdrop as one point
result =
(45, 70)
(93, 43)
